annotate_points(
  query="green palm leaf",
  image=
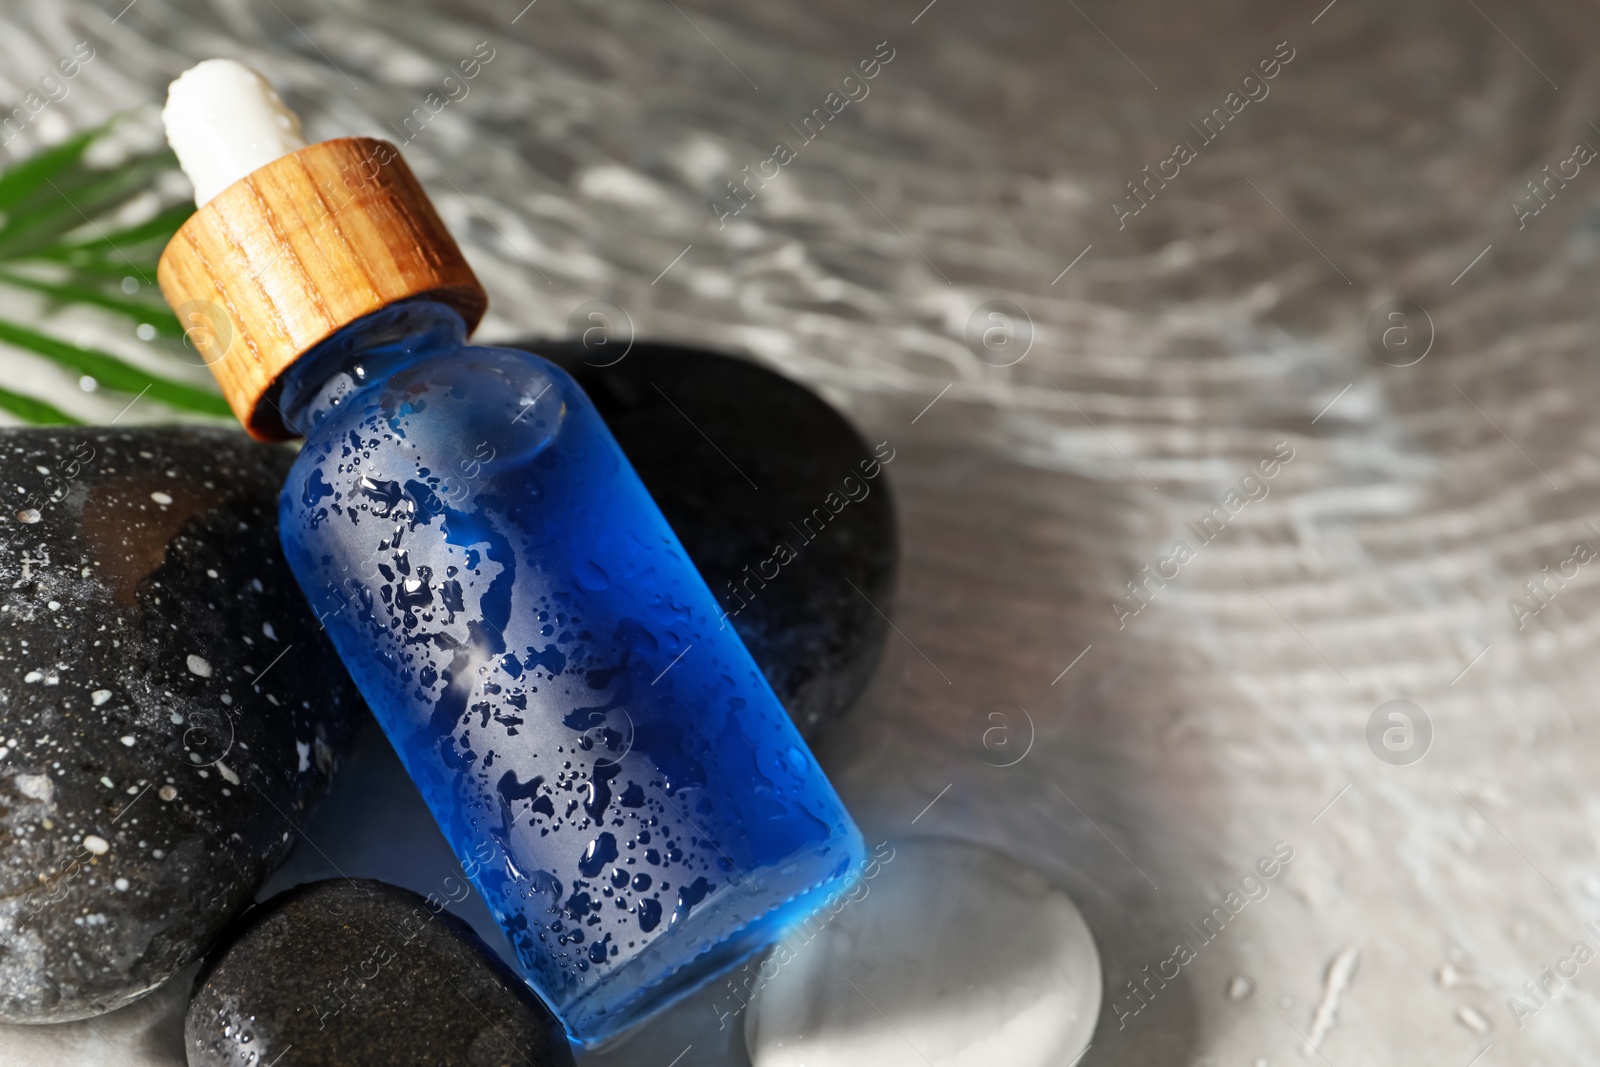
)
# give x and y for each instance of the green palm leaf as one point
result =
(31, 175)
(159, 316)
(61, 238)
(29, 409)
(113, 373)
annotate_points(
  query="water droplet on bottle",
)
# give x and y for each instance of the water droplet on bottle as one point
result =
(601, 851)
(591, 577)
(796, 758)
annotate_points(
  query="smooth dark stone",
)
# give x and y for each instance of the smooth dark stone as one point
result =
(740, 458)
(352, 972)
(148, 785)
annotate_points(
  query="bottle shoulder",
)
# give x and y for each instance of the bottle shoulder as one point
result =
(453, 392)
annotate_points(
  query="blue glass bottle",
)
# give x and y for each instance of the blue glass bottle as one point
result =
(603, 755)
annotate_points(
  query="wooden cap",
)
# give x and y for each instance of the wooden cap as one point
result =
(287, 255)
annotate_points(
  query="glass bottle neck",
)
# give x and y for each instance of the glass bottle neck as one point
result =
(363, 353)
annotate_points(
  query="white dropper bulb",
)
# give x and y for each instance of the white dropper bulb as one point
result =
(224, 120)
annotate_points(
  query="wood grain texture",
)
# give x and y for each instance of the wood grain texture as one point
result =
(287, 255)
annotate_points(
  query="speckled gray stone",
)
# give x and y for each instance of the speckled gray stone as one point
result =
(353, 972)
(148, 782)
(742, 459)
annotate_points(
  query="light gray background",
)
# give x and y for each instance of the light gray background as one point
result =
(1228, 316)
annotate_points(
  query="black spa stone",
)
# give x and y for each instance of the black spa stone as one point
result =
(169, 708)
(743, 460)
(351, 973)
